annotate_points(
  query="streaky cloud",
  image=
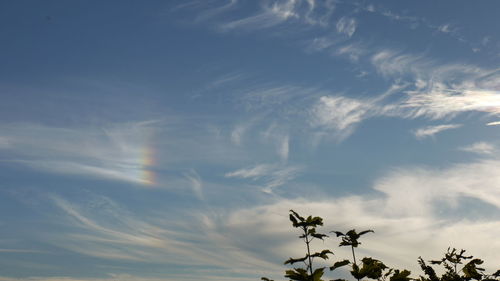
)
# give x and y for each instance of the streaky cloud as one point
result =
(481, 147)
(346, 26)
(116, 151)
(339, 114)
(431, 131)
(268, 176)
(196, 183)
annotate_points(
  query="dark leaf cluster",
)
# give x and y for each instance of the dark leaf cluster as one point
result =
(457, 265)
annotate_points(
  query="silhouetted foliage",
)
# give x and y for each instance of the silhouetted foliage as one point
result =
(372, 268)
(451, 261)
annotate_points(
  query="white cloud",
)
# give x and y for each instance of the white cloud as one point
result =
(352, 51)
(321, 43)
(284, 9)
(268, 176)
(237, 134)
(213, 12)
(346, 26)
(276, 12)
(431, 131)
(480, 148)
(445, 28)
(421, 89)
(339, 114)
(117, 151)
(272, 97)
(495, 123)
(20, 251)
(474, 180)
(441, 91)
(319, 12)
(226, 79)
(271, 15)
(196, 183)
(251, 172)
(4, 142)
(284, 148)
(419, 211)
(392, 63)
(104, 229)
(442, 101)
(278, 135)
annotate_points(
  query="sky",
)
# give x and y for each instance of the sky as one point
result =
(167, 140)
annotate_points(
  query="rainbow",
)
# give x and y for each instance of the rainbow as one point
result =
(148, 176)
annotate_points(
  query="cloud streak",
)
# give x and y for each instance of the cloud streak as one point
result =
(346, 26)
(431, 131)
(117, 152)
(268, 176)
(480, 148)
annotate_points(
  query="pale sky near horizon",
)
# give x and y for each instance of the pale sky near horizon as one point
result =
(167, 140)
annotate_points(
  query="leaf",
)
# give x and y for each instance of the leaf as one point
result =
(317, 274)
(388, 272)
(292, 260)
(293, 220)
(372, 268)
(428, 270)
(297, 215)
(323, 254)
(338, 233)
(339, 264)
(365, 231)
(298, 274)
(471, 270)
(319, 235)
(355, 272)
(400, 275)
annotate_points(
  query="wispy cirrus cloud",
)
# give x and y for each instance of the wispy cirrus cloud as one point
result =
(413, 21)
(104, 229)
(431, 131)
(118, 152)
(268, 176)
(347, 26)
(432, 91)
(354, 51)
(272, 14)
(340, 114)
(422, 88)
(269, 14)
(440, 90)
(196, 183)
(415, 206)
(481, 147)
(278, 135)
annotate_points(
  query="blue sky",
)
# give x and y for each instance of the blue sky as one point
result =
(167, 140)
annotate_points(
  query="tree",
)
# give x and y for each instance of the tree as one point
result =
(308, 234)
(372, 268)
